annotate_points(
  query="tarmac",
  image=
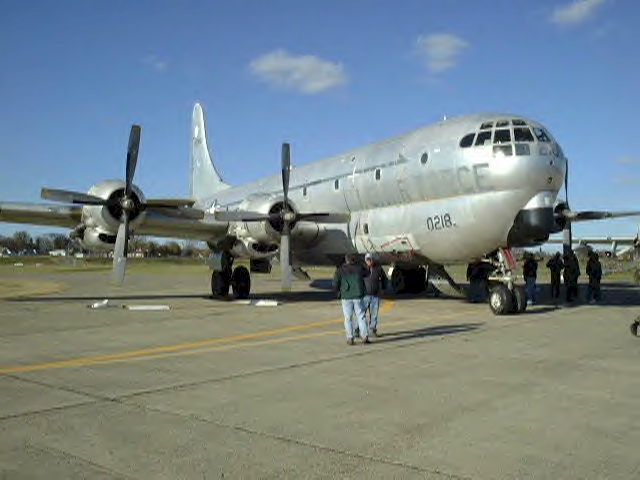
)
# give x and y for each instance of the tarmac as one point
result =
(211, 389)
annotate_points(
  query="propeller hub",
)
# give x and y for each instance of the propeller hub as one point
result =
(128, 204)
(288, 216)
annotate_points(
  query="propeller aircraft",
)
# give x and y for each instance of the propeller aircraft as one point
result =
(461, 191)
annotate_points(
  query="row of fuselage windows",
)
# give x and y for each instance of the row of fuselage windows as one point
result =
(377, 175)
(336, 183)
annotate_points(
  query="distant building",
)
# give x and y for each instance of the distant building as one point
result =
(58, 253)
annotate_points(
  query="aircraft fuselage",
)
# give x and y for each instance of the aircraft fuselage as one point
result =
(448, 192)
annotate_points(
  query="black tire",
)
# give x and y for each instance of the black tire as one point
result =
(420, 280)
(518, 299)
(500, 300)
(241, 282)
(634, 328)
(397, 281)
(219, 284)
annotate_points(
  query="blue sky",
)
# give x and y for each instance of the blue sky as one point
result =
(324, 75)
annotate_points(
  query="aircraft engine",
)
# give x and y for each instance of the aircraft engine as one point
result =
(265, 235)
(93, 239)
(100, 222)
(559, 219)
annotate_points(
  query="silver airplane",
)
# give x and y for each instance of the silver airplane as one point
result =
(619, 247)
(461, 191)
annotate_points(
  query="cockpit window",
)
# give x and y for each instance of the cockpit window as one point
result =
(502, 123)
(483, 138)
(502, 136)
(517, 121)
(503, 150)
(541, 135)
(522, 134)
(486, 125)
(467, 140)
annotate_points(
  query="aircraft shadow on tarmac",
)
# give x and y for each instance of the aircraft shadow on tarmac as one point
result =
(435, 331)
(613, 294)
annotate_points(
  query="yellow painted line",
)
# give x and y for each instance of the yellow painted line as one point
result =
(153, 352)
(272, 341)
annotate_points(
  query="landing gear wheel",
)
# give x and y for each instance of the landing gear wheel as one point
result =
(241, 282)
(219, 284)
(397, 280)
(500, 299)
(421, 280)
(634, 328)
(518, 300)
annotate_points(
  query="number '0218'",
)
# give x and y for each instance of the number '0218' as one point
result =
(439, 222)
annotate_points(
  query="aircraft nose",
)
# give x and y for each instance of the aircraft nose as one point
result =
(557, 171)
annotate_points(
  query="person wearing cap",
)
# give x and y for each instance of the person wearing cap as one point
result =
(375, 282)
(348, 282)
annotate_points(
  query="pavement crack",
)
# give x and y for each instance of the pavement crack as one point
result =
(308, 444)
(67, 455)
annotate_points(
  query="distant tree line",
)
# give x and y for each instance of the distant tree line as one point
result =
(23, 243)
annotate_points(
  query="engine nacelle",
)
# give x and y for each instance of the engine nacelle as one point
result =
(250, 248)
(94, 239)
(559, 221)
(106, 219)
(264, 237)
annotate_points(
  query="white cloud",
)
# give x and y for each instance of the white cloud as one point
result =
(441, 50)
(629, 160)
(303, 73)
(575, 13)
(627, 180)
(156, 63)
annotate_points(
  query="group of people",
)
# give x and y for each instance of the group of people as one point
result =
(566, 266)
(359, 288)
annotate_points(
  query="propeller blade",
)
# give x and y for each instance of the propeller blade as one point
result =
(67, 196)
(597, 215)
(324, 217)
(240, 216)
(285, 259)
(286, 169)
(132, 157)
(567, 236)
(120, 251)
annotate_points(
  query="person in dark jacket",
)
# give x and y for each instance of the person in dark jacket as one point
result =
(530, 274)
(375, 282)
(594, 271)
(348, 281)
(555, 266)
(571, 274)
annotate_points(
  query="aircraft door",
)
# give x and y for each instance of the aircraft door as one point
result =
(400, 172)
(359, 230)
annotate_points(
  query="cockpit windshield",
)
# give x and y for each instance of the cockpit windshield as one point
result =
(504, 133)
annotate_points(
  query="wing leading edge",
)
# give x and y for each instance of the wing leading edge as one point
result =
(68, 216)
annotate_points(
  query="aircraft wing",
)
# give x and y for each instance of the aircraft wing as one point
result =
(158, 225)
(598, 240)
(155, 223)
(41, 214)
(589, 215)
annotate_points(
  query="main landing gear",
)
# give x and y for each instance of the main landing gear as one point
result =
(408, 279)
(223, 277)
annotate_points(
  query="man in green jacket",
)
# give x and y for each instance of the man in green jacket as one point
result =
(349, 283)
